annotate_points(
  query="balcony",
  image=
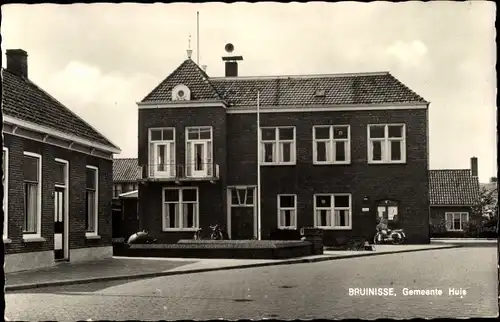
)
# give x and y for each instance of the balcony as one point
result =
(162, 172)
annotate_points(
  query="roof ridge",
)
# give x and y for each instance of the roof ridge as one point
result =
(273, 77)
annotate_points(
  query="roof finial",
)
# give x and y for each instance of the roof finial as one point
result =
(189, 51)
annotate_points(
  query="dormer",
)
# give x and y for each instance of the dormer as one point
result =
(181, 93)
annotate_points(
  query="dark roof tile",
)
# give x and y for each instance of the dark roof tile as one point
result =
(453, 187)
(24, 100)
(126, 170)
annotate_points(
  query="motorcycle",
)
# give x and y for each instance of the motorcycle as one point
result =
(395, 237)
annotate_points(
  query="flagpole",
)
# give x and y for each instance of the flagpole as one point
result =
(197, 38)
(259, 237)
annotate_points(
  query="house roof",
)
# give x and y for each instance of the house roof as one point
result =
(24, 100)
(126, 170)
(189, 74)
(339, 89)
(453, 187)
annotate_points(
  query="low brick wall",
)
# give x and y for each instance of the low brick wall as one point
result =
(250, 249)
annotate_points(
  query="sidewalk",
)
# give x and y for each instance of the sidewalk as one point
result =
(124, 268)
(469, 242)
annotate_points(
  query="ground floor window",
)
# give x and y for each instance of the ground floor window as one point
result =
(180, 208)
(32, 168)
(287, 211)
(456, 221)
(333, 211)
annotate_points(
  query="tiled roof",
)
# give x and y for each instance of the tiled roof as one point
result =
(341, 89)
(24, 100)
(453, 187)
(338, 90)
(126, 170)
(189, 74)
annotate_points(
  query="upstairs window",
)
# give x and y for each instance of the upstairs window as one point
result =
(386, 143)
(331, 144)
(162, 152)
(278, 145)
(199, 153)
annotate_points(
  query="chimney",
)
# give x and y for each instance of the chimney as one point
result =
(17, 62)
(232, 65)
(493, 179)
(473, 166)
(204, 68)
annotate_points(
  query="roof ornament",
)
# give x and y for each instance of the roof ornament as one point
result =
(189, 50)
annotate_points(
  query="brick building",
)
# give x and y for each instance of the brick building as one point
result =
(57, 176)
(337, 152)
(453, 193)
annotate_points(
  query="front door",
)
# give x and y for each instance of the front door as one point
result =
(59, 233)
(242, 213)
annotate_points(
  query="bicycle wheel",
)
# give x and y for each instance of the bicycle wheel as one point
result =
(397, 239)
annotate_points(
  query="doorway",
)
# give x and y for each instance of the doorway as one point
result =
(241, 219)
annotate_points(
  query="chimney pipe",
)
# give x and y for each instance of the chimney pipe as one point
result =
(204, 68)
(232, 65)
(17, 62)
(473, 166)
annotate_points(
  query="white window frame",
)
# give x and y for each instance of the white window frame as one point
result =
(453, 214)
(66, 204)
(293, 209)
(277, 146)
(170, 171)
(37, 236)
(95, 233)
(331, 142)
(6, 197)
(386, 146)
(181, 216)
(208, 161)
(332, 209)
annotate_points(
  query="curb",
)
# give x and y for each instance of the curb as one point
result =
(203, 270)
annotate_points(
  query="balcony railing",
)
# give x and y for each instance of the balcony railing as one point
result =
(180, 172)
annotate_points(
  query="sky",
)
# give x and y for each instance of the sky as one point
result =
(100, 59)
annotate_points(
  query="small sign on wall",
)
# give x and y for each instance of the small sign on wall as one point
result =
(365, 209)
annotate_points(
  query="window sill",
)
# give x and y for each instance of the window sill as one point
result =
(331, 163)
(278, 164)
(180, 229)
(334, 228)
(386, 162)
(92, 236)
(7, 240)
(287, 228)
(33, 239)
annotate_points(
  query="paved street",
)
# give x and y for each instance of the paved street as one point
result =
(300, 291)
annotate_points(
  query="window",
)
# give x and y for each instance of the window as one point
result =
(5, 182)
(162, 152)
(91, 199)
(32, 168)
(242, 196)
(117, 190)
(455, 221)
(386, 143)
(332, 211)
(287, 211)
(199, 160)
(278, 145)
(331, 144)
(180, 209)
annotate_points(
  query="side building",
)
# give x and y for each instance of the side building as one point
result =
(337, 152)
(57, 176)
